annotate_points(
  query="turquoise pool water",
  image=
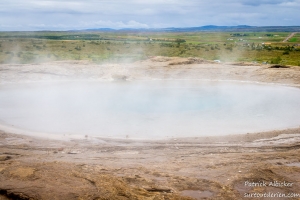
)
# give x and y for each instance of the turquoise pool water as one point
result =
(148, 109)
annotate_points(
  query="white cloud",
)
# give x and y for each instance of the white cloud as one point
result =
(79, 14)
(261, 2)
(117, 25)
(82, 25)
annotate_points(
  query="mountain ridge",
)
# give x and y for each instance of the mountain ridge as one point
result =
(205, 28)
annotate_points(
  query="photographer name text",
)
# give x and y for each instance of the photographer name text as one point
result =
(268, 184)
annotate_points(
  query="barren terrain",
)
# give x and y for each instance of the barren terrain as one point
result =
(189, 168)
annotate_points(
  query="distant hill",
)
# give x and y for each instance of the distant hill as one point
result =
(239, 28)
(99, 29)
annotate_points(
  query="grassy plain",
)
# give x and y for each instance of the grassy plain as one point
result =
(261, 47)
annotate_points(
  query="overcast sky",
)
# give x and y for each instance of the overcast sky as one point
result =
(79, 14)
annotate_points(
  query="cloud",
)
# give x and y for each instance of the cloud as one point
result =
(87, 25)
(78, 14)
(262, 2)
(116, 25)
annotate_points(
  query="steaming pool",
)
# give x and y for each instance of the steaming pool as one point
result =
(147, 109)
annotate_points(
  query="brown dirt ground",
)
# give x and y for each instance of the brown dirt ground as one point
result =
(189, 168)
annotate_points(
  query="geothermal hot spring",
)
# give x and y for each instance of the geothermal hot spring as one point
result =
(147, 109)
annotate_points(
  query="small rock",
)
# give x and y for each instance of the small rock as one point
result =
(119, 77)
(73, 152)
(4, 158)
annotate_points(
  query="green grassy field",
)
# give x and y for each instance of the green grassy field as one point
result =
(33, 47)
